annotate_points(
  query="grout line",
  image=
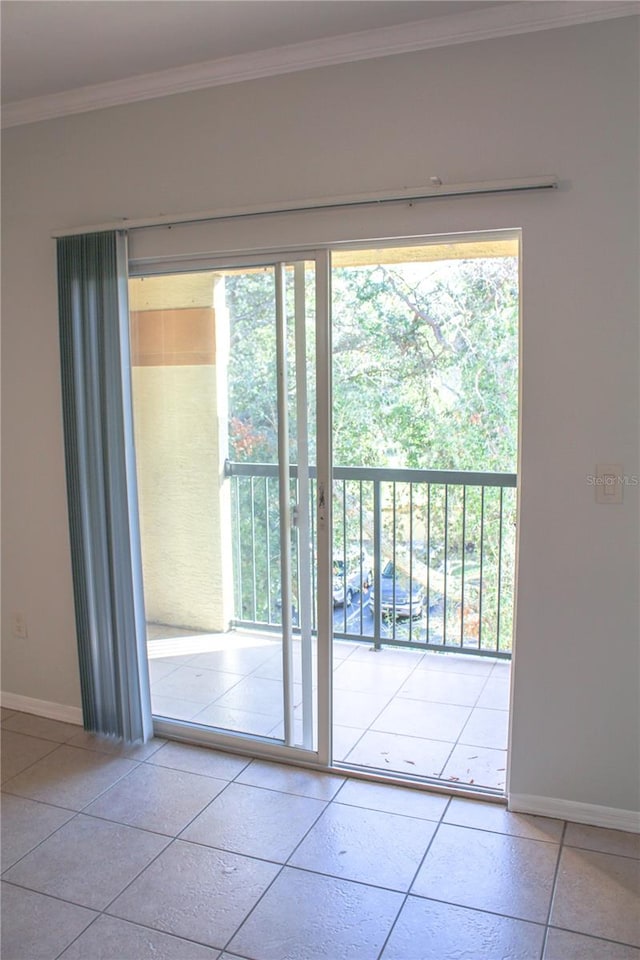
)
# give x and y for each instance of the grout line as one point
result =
(352, 748)
(335, 799)
(121, 823)
(9, 780)
(288, 793)
(166, 847)
(498, 833)
(440, 777)
(44, 803)
(134, 923)
(455, 743)
(451, 903)
(96, 753)
(185, 773)
(232, 853)
(246, 766)
(389, 813)
(554, 886)
(58, 805)
(77, 937)
(39, 736)
(98, 910)
(52, 896)
(604, 853)
(336, 876)
(490, 913)
(408, 892)
(75, 814)
(178, 835)
(278, 874)
(417, 665)
(597, 939)
(148, 761)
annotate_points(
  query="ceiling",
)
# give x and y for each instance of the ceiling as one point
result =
(70, 56)
(50, 46)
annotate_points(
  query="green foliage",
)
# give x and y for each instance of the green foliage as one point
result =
(253, 399)
(425, 365)
(253, 396)
(425, 375)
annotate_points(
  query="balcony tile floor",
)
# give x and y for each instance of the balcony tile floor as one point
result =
(178, 852)
(407, 712)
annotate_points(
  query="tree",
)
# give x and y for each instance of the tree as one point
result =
(425, 365)
(425, 373)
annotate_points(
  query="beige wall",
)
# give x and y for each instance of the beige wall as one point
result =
(562, 102)
(181, 445)
(179, 484)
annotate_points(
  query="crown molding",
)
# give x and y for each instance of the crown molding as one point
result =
(524, 16)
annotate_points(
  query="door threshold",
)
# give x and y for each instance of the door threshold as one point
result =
(272, 752)
(426, 784)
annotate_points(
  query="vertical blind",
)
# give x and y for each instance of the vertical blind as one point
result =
(101, 484)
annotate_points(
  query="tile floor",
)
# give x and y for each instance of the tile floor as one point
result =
(442, 716)
(176, 852)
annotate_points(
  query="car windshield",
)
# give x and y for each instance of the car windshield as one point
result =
(399, 577)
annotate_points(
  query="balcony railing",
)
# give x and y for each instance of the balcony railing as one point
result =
(422, 558)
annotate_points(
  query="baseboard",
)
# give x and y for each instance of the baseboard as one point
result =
(41, 708)
(590, 813)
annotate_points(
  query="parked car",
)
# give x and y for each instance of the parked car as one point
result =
(399, 598)
(358, 578)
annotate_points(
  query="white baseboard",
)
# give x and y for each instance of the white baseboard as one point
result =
(41, 708)
(590, 813)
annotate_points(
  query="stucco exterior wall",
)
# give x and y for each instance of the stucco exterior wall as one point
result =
(179, 400)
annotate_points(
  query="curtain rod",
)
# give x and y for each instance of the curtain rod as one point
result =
(436, 190)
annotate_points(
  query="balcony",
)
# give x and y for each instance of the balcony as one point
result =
(428, 556)
(422, 695)
(403, 712)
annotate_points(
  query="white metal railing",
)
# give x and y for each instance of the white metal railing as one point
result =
(422, 558)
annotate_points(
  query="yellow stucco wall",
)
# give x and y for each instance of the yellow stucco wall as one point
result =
(181, 442)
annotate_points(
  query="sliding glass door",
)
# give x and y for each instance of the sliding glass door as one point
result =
(425, 431)
(357, 612)
(224, 396)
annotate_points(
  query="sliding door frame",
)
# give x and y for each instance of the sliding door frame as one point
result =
(320, 253)
(238, 741)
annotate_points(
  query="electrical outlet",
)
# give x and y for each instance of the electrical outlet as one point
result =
(19, 626)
